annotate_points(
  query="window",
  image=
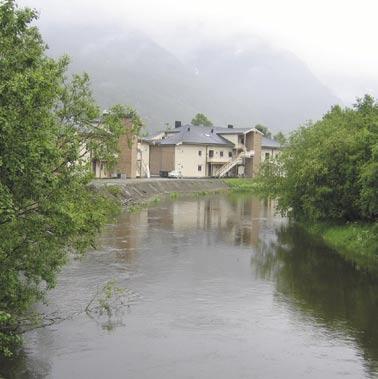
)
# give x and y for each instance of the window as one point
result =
(230, 154)
(241, 140)
(267, 155)
(211, 153)
(221, 153)
(200, 153)
(199, 167)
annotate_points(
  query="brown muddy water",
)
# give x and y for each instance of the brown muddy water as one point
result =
(216, 287)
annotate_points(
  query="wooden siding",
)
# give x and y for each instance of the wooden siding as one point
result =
(162, 158)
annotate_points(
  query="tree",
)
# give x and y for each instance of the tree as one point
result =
(201, 119)
(48, 125)
(280, 137)
(329, 169)
(264, 130)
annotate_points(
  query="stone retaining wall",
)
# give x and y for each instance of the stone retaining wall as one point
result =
(143, 189)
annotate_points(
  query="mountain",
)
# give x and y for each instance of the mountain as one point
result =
(243, 85)
(258, 83)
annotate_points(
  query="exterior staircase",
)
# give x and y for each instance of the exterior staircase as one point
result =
(229, 165)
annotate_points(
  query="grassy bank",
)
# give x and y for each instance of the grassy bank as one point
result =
(243, 185)
(138, 205)
(357, 242)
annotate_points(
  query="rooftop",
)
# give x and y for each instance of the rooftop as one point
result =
(271, 143)
(194, 135)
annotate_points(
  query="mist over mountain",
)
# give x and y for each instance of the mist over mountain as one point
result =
(229, 82)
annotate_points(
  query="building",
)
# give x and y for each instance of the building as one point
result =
(143, 158)
(199, 151)
(127, 165)
(269, 149)
(191, 151)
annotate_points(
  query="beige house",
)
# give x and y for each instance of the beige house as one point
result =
(270, 149)
(198, 151)
(191, 151)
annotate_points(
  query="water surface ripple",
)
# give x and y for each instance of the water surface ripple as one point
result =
(217, 287)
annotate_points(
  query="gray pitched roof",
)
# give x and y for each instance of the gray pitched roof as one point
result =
(271, 143)
(195, 135)
(221, 130)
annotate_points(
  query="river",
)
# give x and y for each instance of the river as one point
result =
(214, 287)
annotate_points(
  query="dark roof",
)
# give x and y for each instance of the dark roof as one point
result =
(221, 130)
(195, 135)
(271, 143)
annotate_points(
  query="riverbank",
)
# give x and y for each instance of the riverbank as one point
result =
(356, 242)
(246, 185)
(137, 192)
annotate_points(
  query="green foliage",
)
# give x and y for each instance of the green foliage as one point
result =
(201, 119)
(329, 170)
(9, 340)
(174, 195)
(243, 185)
(280, 137)
(264, 130)
(358, 242)
(49, 125)
(138, 206)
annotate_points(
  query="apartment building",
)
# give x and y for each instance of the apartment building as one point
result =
(192, 152)
(199, 151)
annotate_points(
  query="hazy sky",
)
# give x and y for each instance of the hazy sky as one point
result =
(337, 39)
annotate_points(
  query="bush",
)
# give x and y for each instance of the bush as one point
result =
(329, 169)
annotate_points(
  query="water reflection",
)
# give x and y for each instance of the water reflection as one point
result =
(322, 286)
(213, 279)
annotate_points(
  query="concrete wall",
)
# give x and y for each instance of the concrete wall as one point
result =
(188, 159)
(137, 190)
(162, 158)
(190, 162)
(231, 137)
(235, 139)
(217, 158)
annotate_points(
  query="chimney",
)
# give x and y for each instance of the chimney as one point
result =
(177, 124)
(229, 126)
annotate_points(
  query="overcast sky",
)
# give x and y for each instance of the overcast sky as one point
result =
(337, 39)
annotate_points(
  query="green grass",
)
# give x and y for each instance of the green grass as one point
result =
(357, 242)
(174, 195)
(243, 185)
(136, 207)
